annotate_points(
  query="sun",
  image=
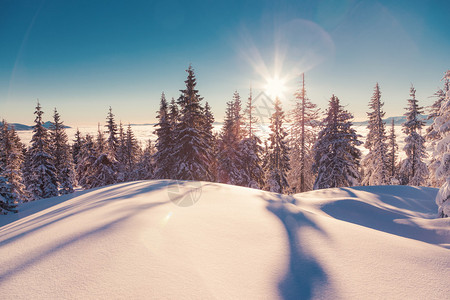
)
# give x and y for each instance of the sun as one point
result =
(275, 87)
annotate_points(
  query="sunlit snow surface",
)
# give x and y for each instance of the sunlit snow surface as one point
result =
(131, 241)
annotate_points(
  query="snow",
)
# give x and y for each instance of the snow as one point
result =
(130, 240)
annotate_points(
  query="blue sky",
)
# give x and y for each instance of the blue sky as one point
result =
(84, 56)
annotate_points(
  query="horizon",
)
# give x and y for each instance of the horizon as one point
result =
(125, 56)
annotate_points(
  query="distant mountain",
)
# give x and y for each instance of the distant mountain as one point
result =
(397, 121)
(21, 127)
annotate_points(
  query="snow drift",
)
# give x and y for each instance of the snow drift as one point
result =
(131, 240)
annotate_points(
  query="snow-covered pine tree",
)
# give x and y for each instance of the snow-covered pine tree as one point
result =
(251, 149)
(101, 166)
(433, 135)
(413, 170)
(86, 157)
(303, 135)
(120, 156)
(100, 142)
(278, 164)
(132, 154)
(210, 140)
(12, 189)
(336, 156)
(442, 150)
(145, 167)
(62, 158)
(111, 130)
(190, 148)
(174, 114)
(392, 149)
(43, 182)
(103, 171)
(229, 168)
(374, 163)
(164, 164)
(76, 145)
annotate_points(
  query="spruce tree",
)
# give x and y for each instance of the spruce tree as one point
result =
(392, 154)
(375, 162)
(251, 149)
(413, 169)
(164, 143)
(86, 158)
(100, 142)
(12, 189)
(120, 156)
(103, 171)
(229, 157)
(146, 167)
(304, 119)
(433, 135)
(190, 148)
(132, 154)
(278, 164)
(336, 156)
(43, 182)
(442, 150)
(62, 158)
(111, 130)
(210, 139)
(76, 145)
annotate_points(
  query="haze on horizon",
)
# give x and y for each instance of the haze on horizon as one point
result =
(84, 56)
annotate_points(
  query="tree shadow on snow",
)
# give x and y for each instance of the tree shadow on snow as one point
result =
(31, 260)
(80, 203)
(386, 219)
(305, 274)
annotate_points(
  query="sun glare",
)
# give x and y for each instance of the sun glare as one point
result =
(275, 87)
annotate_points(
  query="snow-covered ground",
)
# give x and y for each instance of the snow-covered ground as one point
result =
(145, 240)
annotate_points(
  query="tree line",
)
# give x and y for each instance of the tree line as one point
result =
(313, 151)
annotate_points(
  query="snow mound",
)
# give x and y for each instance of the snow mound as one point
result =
(133, 240)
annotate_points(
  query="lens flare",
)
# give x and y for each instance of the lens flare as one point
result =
(275, 87)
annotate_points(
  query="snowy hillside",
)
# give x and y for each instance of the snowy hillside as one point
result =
(131, 240)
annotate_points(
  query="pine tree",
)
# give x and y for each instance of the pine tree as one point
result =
(12, 189)
(120, 156)
(190, 148)
(375, 162)
(304, 118)
(164, 143)
(132, 154)
(442, 150)
(229, 157)
(433, 135)
(62, 158)
(174, 114)
(392, 149)
(336, 156)
(413, 169)
(146, 167)
(251, 149)
(210, 139)
(76, 147)
(86, 158)
(103, 171)
(111, 130)
(100, 142)
(43, 182)
(278, 164)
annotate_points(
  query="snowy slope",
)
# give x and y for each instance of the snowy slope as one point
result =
(131, 240)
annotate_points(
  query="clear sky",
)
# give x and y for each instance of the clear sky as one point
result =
(84, 56)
